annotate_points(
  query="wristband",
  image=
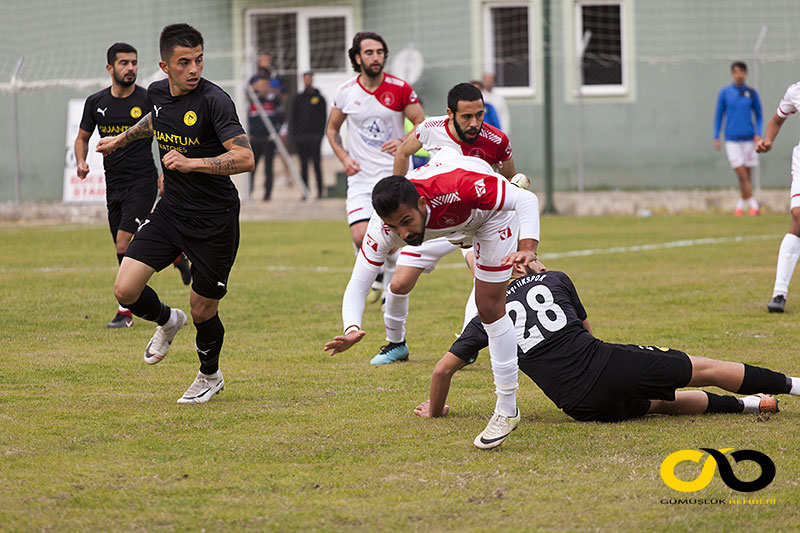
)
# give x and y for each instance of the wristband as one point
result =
(350, 329)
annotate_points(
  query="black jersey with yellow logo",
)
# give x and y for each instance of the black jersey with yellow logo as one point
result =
(132, 164)
(195, 125)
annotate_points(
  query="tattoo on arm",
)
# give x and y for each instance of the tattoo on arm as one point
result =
(141, 130)
(222, 165)
(242, 141)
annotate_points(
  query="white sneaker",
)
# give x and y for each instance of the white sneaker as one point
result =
(158, 346)
(203, 388)
(499, 427)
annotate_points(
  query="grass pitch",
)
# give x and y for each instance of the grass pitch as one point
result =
(91, 437)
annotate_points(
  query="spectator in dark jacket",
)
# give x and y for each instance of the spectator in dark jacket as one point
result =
(307, 128)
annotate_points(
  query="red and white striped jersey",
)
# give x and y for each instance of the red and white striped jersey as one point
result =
(491, 145)
(461, 194)
(372, 119)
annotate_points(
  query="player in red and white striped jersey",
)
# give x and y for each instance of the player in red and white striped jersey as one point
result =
(789, 250)
(374, 105)
(463, 130)
(463, 199)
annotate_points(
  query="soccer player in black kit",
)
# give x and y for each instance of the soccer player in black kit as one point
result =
(201, 143)
(594, 380)
(130, 173)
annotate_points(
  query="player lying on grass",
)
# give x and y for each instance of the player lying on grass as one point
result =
(463, 199)
(594, 380)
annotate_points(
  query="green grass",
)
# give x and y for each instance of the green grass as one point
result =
(91, 438)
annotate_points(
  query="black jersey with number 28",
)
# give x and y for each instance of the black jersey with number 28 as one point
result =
(562, 357)
(195, 125)
(131, 165)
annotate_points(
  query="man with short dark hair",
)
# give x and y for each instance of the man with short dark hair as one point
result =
(201, 143)
(130, 174)
(373, 104)
(738, 104)
(594, 380)
(463, 199)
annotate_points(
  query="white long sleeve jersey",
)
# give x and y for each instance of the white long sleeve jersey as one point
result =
(461, 194)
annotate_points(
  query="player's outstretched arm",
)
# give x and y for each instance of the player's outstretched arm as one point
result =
(238, 158)
(435, 406)
(764, 145)
(341, 343)
(141, 130)
(406, 149)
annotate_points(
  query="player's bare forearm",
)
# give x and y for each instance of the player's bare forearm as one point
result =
(507, 169)
(442, 375)
(81, 147)
(770, 133)
(409, 147)
(141, 130)
(238, 158)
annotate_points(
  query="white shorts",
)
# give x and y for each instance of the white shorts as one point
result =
(795, 189)
(358, 207)
(426, 255)
(359, 196)
(495, 239)
(741, 153)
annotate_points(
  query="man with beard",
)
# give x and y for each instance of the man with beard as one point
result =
(463, 130)
(462, 199)
(201, 143)
(373, 104)
(130, 173)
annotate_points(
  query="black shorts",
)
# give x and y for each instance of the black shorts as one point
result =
(633, 376)
(210, 242)
(129, 207)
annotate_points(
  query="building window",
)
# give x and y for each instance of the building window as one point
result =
(509, 47)
(602, 68)
(327, 44)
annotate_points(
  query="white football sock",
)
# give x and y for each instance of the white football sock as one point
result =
(122, 309)
(751, 404)
(388, 269)
(740, 204)
(787, 259)
(795, 387)
(753, 202)
(471, 309)
(503, 356)
(395, 315)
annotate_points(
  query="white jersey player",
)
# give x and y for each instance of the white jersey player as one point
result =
(374, 105)
(463, 130)
(789, 250)
(462, 199)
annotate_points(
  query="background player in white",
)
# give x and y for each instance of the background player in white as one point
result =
(130, 174)
(461, 198)
(593, 380)
(463, 130)
(790, 245)
(374, 105)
